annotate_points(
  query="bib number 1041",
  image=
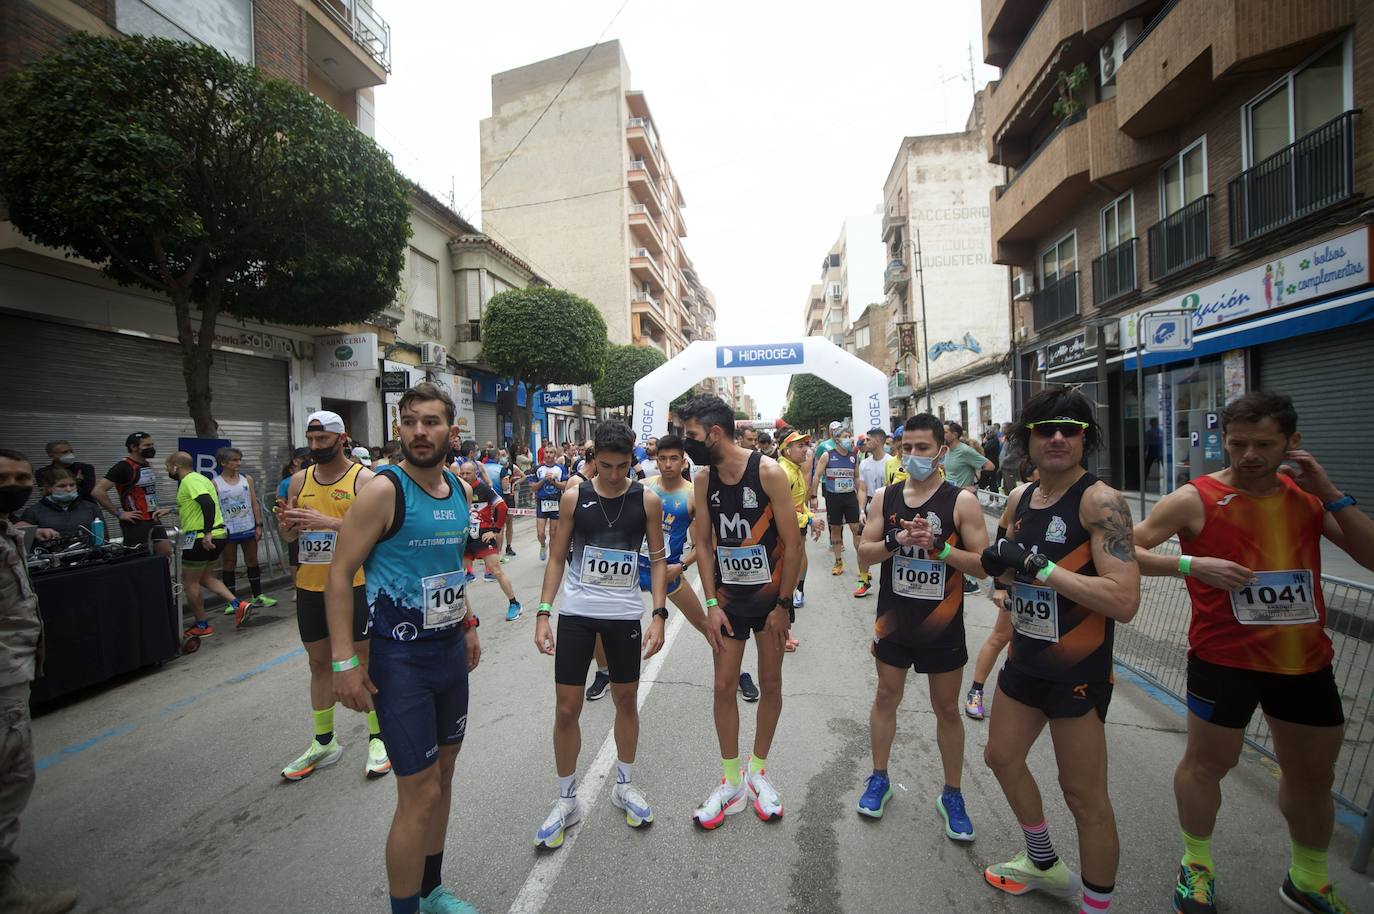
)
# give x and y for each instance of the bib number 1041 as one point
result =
(1276, 598)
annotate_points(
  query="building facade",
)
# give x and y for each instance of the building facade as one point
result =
(1207, 162)
(827, 302)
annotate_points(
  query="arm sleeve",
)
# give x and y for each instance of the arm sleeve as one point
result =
(207, 511)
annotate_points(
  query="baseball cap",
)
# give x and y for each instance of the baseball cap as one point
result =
(836, 426)
(794, 437)
(363, 455)
(779, 424)
(329, 422)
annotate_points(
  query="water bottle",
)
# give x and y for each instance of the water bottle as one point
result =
(98, 532)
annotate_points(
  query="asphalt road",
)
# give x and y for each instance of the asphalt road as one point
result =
(162, 792)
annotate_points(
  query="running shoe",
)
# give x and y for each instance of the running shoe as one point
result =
(199, 631)
(505, 559)
(564, 815)
(747, 687)
(767, 803)
(876, 794)
(264, 601)
(1323, 902)
(970, 585)
(488, 576)
(312, 759)
(242, 612)
(957, 824)
(838, 568)
(865, 585)
(510, 552)
(471, 577)
(798, 599)
(637, 809)
(973, 704)
(723, 801)
(597, 690)
(513, 611)
(543, 553)
(378, 765)
(1019, 875)
(1195, 891)
(442, 901)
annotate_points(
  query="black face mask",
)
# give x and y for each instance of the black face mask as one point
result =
(697, 451)
(148, 453)
(324, 454)
(12, 498)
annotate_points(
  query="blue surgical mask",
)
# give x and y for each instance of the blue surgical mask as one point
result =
(845, 443)
(921, 468)
(64, 498)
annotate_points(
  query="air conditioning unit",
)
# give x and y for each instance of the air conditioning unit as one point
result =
(1022, 285)
(1113, 52)
(433, 355)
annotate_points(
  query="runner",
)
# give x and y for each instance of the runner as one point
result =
(748, 579)
(927, 534)
(1251, 541)
(488, 515)
(310, 517)
(792, 454)
(510, 474)
(549, 479)
(407, 529)
(844, 492)
(238, 499)
(202, 540)
(140, 518)
(1072, 569)
(609, 519)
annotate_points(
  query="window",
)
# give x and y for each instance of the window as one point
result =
(1118, 221)
(1183, 178)
(963, 415)
(835, 291)
(1303, 100)
(424, 284)
(225, 25)
(861, 338)
(984, 411)
(1059, 260)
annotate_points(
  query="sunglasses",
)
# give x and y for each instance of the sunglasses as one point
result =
(1069, 428)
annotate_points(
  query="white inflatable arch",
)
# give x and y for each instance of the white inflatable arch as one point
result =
(866, 385)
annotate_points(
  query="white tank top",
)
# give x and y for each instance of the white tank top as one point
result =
(234, 505)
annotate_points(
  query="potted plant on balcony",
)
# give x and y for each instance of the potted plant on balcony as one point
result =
(1071, 84)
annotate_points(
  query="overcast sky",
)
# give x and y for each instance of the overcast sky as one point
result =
(781, 120)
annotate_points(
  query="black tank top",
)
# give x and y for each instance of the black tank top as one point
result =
(748, 548)
(613, 528)
(921, 599)
(1054, 638)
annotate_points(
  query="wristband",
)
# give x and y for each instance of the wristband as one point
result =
(1043, 574)
(712, 603)
(944, 553)
(545, 609)
(1185, 565)
(890, 541)
(341, 666)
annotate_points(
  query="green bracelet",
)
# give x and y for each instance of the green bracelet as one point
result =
(1185, 565)
(713, 602)
(545, 609)
(341, 666)
(1043, 574)
(944, 553)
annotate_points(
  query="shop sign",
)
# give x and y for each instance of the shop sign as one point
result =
(467, 416)
(395, 382)
(346, 352)
(1066, 351)
(270, 343)
(556, 398)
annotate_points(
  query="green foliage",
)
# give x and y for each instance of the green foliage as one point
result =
(814, 402)
(683, 398)
(1071, 84)
(624, 366)
(741, 414)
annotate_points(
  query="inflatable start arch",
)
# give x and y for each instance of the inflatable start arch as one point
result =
(866, 385)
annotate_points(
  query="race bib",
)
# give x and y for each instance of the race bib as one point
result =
(548, 505)
(1276, 598)
(616, 568)
(316, 547)
(918, 579)
(844, 484)
(188, 538)
(1035, 611)
(443, 596)
(475, 518)
(743, 564)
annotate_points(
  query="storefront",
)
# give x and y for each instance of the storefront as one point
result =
(484, 393)
(344, 381)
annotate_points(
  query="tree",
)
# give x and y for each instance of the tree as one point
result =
(813, 402)
(543, 336)
(742, 415)
(624, 366)
(175, 168)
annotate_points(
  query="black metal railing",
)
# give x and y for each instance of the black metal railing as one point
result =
(1057, 302)
(1158, 17)
(1114, 273)
(1309, 175)
(1181, 239)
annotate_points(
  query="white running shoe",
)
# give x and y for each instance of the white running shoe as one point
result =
(378, 765)
(723, 801)
(767, 803)
(564, 815)
(637, 809)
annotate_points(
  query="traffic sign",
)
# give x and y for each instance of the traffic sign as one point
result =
(1170, 332)
(763, 356)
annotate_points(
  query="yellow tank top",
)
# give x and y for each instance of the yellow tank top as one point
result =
(331, 501)
(798, 486)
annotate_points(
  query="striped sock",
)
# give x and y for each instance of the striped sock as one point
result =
(567, 787)
(1038, 845)
(1096, 900)
(623, 771)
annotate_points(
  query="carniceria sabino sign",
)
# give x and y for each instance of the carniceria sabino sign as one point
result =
(346, 352)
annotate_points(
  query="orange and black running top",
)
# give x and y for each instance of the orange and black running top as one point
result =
(1053, 637)
(748, 551)
(1277, 624)
(920, 598)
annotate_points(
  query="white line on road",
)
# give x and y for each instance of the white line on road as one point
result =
(535, 892)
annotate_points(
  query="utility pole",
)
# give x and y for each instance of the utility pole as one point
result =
(925, 328)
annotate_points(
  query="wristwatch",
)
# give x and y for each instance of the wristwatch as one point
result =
(790, 605)
(1345, 501)
(1035, 563)
(661, 613)
(471, 621)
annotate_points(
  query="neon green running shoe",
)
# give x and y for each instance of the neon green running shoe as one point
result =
(264, 601)
(1196, 890)
(1019, 875)
(312, 759)
(378, 765)
(1323, 902)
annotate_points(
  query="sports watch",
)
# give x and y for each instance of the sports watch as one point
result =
(1036, 563)
(661, 613)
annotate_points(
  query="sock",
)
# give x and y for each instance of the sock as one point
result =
(603, 670)
(324, 725)
(731, 768)
(880, 772)
(756, 764)
(255, 579)
(623, 771)
(976, 687)
(801, 585)
(408, 905)
(374, 726)
(1096, 900)
(1198, 851)
(947, 790)
(567, 787)
(433, 864)
(202, 623)
(1038, 845)
(1308, 871)
(229, 578)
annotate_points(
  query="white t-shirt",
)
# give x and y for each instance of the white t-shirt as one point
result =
(872, 472)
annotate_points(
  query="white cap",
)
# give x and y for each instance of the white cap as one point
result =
(836, 426)
(363, 456)
(330, 422)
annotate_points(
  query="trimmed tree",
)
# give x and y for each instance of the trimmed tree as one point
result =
(542, 336)
(173, 167)
(813, 402)
(624, 366)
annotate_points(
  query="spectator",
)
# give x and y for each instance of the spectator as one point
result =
(649, 465)
(992, 450)
(299, 459)
(62, 457)
(1009, 460)
(362, 455)
(766, 447)
(60, 513)
(391, 453)
(1154, 446)
(136, 485)
(522, 458)
(963, 463)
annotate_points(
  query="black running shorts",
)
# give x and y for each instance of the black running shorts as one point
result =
(1056, 700)
(920, 659)
(841, 508)
(310, 617)
(1227, 696)
(576, 647)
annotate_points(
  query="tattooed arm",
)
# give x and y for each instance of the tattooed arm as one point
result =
(1115, 590)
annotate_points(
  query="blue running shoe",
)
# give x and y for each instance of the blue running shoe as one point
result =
(513, 612)
(488, 576)
(957, 824)
(471, 577)
(874, 801)
(442, 901)
(798, 599)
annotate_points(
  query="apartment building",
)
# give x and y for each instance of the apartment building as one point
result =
(1207, 160)
(935, 227)
(867, 338)
(827, 302)
(589, 195)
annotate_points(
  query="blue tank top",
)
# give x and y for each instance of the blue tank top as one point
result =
(677, 519)
(839, 473)
(415, 573)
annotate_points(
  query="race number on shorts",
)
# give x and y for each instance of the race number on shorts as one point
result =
(1276, 598)
(316, 547)
(1035, 611)
(918, 579)
(743, 564)
(443, 596)
(618, 568)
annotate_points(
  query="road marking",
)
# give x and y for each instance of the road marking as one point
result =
(535, 892)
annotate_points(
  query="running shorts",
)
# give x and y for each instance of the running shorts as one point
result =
(646, 581)
(539, 509)
(1227, 696)
(920, 659)
(1056, 700)
(244, 537)
(576, 646)
(202, 554)
(477, 549)
(310, 616)
(743, 625)
(421, 699)
(841, 508)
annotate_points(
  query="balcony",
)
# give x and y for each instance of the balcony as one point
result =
(639, 134)
(892, 221)
(896, 276)
(646, 268)
(1056, 303)
(899, 386)
(1181, 240)
(643, 229)
(1114, 273)
(641, 297)
(1315, 172)
(336, 31)
(1022, 97)
(1116, 160)
(642, 188)
(1005, 24)
(1049, 184)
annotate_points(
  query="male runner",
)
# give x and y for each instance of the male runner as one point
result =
(134, 483)
(1072, 570)
(928, 535)
(311, 515)
(749, 550)
(609, 517)
(873, 468)
(792, 455)
(407, 529)
(488, 515)
(202, 541)
(1251, 537)
(548, 479)
(844, 493)
(238, 500)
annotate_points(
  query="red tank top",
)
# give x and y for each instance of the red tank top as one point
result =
(1278, 623)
